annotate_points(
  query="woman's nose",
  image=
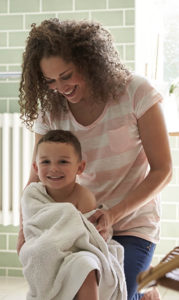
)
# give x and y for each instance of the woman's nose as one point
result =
(59, 86)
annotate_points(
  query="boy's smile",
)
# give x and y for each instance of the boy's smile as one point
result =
(57, 165)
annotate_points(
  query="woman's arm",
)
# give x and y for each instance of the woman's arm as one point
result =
(32, 178)
(153, 133)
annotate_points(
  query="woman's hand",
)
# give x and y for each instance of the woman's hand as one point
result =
(20, 241)
(103, 221)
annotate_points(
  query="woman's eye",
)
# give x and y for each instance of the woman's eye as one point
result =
(68, 76)
(49, 81)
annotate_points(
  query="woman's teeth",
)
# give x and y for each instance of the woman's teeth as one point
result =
(70, 93)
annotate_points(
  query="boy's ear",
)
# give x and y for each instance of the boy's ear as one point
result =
(35, 167)
(81, 167)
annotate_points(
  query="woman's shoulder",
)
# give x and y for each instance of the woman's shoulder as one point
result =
(137, 80)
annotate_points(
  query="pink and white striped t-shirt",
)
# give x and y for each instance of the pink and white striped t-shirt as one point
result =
(115, 159)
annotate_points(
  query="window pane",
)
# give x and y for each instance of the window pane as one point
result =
(171, 40)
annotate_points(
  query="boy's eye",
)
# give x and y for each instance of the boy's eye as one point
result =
(46, 161)
(66, 77)
(64, 161)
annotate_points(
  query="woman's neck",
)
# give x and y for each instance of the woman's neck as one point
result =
(85, 112)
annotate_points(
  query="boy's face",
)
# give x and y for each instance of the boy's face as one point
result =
(57, 164)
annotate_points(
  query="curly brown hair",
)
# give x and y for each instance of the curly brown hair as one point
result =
(88, 45)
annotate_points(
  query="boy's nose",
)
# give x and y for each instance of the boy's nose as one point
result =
(54, 168)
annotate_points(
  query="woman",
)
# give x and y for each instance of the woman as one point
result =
(72, 71)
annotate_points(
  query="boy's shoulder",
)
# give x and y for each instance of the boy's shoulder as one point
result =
(85, 199)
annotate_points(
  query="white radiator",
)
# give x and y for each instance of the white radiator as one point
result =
(16, 145)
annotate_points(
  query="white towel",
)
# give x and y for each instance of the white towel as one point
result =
(62, 247)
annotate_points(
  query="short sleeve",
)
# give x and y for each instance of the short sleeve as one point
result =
(144, 96)
(42, 125)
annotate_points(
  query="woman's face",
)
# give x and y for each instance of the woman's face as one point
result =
(64, 78)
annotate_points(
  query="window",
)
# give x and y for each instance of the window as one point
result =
(157, 49)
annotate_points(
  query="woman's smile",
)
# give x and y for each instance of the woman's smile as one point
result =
(64, 78)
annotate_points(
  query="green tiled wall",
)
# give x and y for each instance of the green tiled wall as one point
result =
(16, 17)
(9, 261)
(170, 208)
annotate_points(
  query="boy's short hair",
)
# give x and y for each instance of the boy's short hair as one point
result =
(62, 136)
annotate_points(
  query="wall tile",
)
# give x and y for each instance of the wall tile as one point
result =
(36, 18)
(12, 242)
(92, 4)
(15, 273)
(9, 260)
(9, 229)
(57, 5)
(3, 69)
(15, 68)
(174, 176)
(130, 52)
(177, 141)
(108, 18)
(17, 39)
(165, 246)
(2, 272)
(170, 229)
(11, 56)
(129, 17)
(3, 241)
(24, 6)
(3, 39)
(73, 16)
(120, 49)
(169, 211)
(3, 6)
(9, 89)
(11, 22)
(123, 35)
(121, 3)
(3, 106)
(14, 106)
(170, 193)
(175, 157)
(177, 175)
(173, 141)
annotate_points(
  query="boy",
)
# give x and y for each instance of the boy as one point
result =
(58, 162)
(64, 256)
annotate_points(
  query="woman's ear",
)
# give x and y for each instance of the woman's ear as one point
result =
(81, 167)
(35, 167)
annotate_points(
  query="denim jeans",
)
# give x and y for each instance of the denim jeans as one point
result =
(137, 257)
